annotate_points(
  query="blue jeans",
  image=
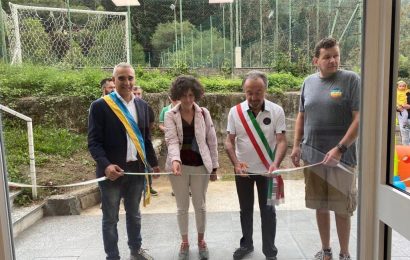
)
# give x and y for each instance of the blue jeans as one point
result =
(245, 190)
(130, 188)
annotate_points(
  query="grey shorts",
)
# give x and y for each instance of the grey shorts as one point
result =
(331, 188)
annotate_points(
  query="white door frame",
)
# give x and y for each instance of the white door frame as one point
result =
(381, 206)
(6, 233)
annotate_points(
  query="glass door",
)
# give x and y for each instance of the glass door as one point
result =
(6, 237)
(385, 205)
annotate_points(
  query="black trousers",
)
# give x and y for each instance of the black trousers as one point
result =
(245, 190)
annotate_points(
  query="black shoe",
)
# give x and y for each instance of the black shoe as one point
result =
(271, 258)
(153, 192)
(242, 252)
(140, 254)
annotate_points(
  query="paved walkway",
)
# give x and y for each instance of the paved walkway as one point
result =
(79, 237)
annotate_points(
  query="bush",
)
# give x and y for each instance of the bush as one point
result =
(284, 81)
(221, 84)
(29, 80)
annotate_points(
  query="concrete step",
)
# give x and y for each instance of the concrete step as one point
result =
(71, 203)
(24, 217)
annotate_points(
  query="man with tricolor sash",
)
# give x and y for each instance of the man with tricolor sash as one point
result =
(119, 140)
(256, 144)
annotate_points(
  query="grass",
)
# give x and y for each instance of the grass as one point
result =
(53, 147)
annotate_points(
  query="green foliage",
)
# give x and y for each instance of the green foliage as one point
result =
(35, 42)
(137, 54)
(179, 68)
(48, 142)
(284, 81)
(220, 84)
(35, 81)
(24, 198)
(404, 67)
(164, 35)
(29, 80)
(106, 49)
(164, 38)
(74, 57)
(226, 68)
(298, 66)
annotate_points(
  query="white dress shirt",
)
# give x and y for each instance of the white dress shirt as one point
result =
(131, 149)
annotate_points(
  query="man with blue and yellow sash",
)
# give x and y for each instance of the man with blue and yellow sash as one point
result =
(119, 140)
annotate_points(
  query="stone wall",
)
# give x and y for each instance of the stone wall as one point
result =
(71, 112)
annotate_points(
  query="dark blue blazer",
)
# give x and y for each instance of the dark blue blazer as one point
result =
(107, 139)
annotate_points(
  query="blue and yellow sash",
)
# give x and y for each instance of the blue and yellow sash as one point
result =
(131, 126)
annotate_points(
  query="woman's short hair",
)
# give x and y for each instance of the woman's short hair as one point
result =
(184, 83)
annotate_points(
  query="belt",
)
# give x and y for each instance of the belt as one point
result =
(131, 162)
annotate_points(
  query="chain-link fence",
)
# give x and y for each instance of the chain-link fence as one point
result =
(66, 37)
(278, 34)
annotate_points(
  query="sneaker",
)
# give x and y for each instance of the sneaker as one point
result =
(184, 251)
(324, 254)
(153, 192)
(141, 254)
(203, 250)
(242, 252)
(344, 257)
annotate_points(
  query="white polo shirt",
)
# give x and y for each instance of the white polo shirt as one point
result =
(271, 120)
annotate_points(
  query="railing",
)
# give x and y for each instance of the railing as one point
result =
(30, 146)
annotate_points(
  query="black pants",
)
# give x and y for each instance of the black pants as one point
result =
(245, 190)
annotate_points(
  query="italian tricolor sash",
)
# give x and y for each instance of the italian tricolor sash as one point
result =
(266, 155)
(131, 126)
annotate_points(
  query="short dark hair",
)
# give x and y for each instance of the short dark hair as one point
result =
(325, 43)
(184, 83)
(256, 74)
(104, 81)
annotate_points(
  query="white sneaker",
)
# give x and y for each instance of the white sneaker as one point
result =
(324, 255)
(344, 257)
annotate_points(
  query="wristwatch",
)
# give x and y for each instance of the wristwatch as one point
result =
(341, 147)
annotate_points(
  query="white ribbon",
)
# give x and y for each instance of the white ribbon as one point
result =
(278, 171)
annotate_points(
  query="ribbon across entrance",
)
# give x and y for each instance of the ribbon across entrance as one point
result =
(279, 171)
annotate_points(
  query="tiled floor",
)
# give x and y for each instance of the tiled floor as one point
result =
(79, 237)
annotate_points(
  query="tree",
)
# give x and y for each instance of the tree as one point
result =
(164, 35)
(138, 57)
(109, 46)
(35, 43)
(191, 54)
